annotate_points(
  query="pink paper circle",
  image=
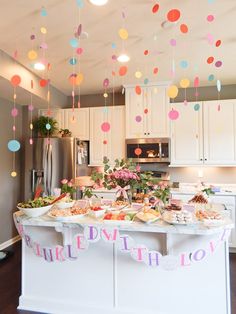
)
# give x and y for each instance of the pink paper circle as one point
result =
(218, 64)
(31, 141)
(173, 114)
(173, 42)
(14, 128)
(105, 126)
(210, 18)
(14, 112)
(114, 57)
(106, 83)
(30, 107)
(185, 102)
(79, 51)
(138, 118)
(44, 46)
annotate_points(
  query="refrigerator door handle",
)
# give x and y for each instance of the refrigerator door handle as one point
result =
(45, 167)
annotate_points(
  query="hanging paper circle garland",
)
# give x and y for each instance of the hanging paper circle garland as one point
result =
(184, 83)
(146, 81)
(43, 82)
(138, 118)
(196, 107)
(105, 142)
(155, 8)
(146, 52)
(184, 28)
(30, 108)
(196, 82)
(43, 12)
(48, 126)
(138, 74)
(13, 145)
(113, 46)
(184, 64)
(32, 37)
(79, 51)
(211, 77)
(74, 43)
(138, 151)
(218, 64)
(172, 91)
(32, 55)
(155, 70)
(123, 70)
(73, 61)
(145, 111)
(15, 80)
(80, 3)
(210, 60)
(43, 30)
(173, 42)
(106, 83)
(14, 112)
(173, 15)
(79, 78)
(105, 126)
(210, 18)
(173, 114)
(79, 30)
(218, 43)
(218, 85)
(123, 33)
(138, 90)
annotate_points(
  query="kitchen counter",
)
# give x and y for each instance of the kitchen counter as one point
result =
(91, 267)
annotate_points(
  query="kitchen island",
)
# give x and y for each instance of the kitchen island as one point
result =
(88, 266)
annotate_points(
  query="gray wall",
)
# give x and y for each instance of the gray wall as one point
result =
(10, 191)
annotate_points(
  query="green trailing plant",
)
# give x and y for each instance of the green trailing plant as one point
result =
(65, 132)
(41, 124)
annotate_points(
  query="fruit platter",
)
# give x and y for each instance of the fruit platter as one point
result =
(119, 217)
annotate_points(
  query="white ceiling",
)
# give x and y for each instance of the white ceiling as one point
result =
(21, 18)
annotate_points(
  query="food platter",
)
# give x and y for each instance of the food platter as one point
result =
(68, 214)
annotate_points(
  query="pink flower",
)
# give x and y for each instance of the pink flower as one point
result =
(64, 181)
(70, 184)
(138, 168)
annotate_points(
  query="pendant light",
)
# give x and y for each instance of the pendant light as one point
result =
(98, 2)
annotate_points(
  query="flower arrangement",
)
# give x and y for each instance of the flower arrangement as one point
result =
(162, 191)
(123, 176)
(68, 186)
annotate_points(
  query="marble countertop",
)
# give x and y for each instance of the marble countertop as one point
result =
(157, 227)
(193, 191)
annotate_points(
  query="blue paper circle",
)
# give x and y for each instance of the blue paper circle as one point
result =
(146, 80)
(211, 77)
(48, 126)
(13, 145)
(196, 107)
(73, 61)
(74, 42)
(113, 46)
(184, 64)
(105, 109)
(80, 3)
(43, 12)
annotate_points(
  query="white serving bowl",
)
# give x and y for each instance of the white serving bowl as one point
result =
(63, 205)
(97, 213)
(35, 212)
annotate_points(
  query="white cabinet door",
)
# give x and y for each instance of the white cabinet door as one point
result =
(186, 135)
(57, 114)
(134, 105)
(117, 133)
(77, 122)
(156, 102)
(115, 138)
(219, 132)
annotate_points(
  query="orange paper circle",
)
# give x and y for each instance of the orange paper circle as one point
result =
(138, 90)
(173, 15)
(184, 28)
(123, 70)
(138, 151)
(15, 80)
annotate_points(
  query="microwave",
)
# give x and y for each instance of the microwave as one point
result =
(147, 150)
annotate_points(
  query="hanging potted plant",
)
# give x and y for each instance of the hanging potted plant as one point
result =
(44, 126)
(65, 132)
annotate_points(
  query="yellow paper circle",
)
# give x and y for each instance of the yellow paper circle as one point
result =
(105, 95)
(138, 74)
(32, 55)
(172, 91)
(13, 174)
(123, 33)
(155, 90)
(184, 83)
(31, 126)
(43, 30)
(79, 79)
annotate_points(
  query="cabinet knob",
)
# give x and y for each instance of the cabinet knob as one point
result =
(205, 159)
(145, 133)
(201, 159)
(148, 133)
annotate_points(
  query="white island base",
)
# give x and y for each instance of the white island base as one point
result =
(104, 280)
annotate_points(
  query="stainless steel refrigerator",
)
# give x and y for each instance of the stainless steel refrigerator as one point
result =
(59, 158)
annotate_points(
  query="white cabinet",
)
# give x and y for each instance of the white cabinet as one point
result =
(77, 122)
(56, 114)
(146, 114)
(112, 143)
(219, 132)
(186, 136)
(206, 136)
